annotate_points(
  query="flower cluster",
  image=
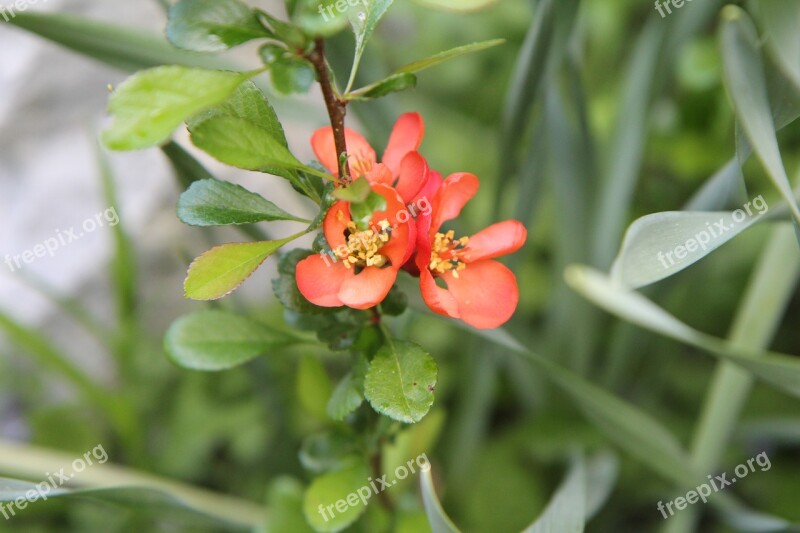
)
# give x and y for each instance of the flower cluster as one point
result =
(458, 276)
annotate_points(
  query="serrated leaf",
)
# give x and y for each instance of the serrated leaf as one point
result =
(364, 20)
(212, 202)
(222, 269)
(400, 381)
(151, 104)
(213, 340)
(240, 143)
(212, 25)
(328, 489)
(447, 55)
(349, 393)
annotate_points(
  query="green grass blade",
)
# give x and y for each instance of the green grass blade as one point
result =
(125, 48)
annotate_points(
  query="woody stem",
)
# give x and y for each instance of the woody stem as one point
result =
(337, 108)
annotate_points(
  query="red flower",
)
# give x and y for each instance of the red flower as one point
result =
(401, 167)
(363, 264)
(481, 292)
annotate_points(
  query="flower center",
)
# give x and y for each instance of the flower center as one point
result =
(446, 253)
(360, 165)
(363, 246)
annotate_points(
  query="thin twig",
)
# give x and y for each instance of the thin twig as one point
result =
(337, 108)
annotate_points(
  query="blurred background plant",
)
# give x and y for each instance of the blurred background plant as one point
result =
(593, 113)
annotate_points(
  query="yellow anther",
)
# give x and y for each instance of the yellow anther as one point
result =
(363, 246)
(446, 253)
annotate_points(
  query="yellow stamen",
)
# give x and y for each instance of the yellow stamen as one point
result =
(363, 246)
(446, 253)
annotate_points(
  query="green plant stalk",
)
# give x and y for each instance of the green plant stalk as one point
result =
(757, 319)
(28, 462)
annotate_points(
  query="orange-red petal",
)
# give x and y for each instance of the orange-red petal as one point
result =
(324, 146)
(456, 191)
(335, 224)
(486, 293)
(403, 237)
(439, 300)
(498, 239)
(413, 176)
(367, 288)
(406, 137)
(320, 278)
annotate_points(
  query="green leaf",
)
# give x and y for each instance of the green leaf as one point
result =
(745, 81)
(781, 19)
(285, 285)
(364, 20)
(326, 491)
(240, 143)
(151, 104)
(212, 25)
(400, 381)
(285, 503)
(640, 85)
(292, 75)
(313, 386)
(457, 5)
(248, 102)
(393, 84)
(187, 169)
(361, 212)
(567, 508)
(213, 340)
(349, 393)
(212, 202)
(447, 55)
(319, 17)
(124, 48)
(356, 192)
(222, 269)
(328, 450)
(194, 513)
(780, 370)
(580, 495)
(625, 424)
(659, 245)
(437, 518)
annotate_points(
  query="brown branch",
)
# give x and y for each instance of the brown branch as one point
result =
(336, 108)
(383, 498)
